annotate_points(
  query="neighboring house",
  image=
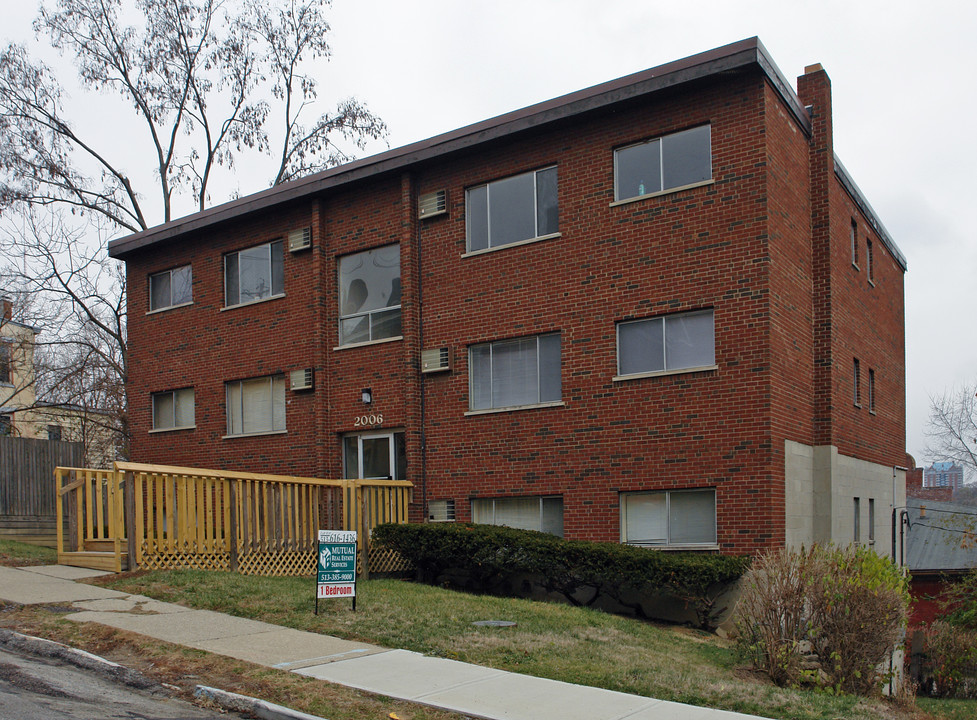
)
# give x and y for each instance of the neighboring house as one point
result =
(941, 546)
(656, 311)
(17, 393)
(23, 415)
(943, 475)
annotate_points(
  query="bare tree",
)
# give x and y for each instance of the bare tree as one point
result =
(208, 81)
(952, 427)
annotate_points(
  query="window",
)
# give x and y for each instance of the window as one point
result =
(254, 274)
(665, 163)
(857, 520)
(871, 521)
(524, 513)
(871, 390)
(256, 406)
(170, 288)
(369, 295)
(53, 432)
(664, 344)
(511, 373)
(375, 456)
(6, 424)
(4, 362)
(674, 517)
(857, 385)
(869, 265)
(173, 410)
(507, 211)
(854, 242)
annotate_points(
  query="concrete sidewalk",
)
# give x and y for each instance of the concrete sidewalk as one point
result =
(456, 686)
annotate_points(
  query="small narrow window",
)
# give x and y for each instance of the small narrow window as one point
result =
(869, 265)
(5, 371)
(54, 432)
(857, 520)
(854, 242)
(871, 390)
(857, 384)
(871, 521)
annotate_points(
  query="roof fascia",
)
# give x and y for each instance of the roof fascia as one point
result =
(869, 212)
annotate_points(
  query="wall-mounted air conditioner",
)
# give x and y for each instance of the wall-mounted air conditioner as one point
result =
(436, 360)
(300, 239)
(302, 379)
(441, 510)
(432, 204)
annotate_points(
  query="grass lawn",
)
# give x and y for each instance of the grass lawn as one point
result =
(549, 640)
(555, 641)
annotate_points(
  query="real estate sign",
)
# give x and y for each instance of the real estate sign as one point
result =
(336, 564)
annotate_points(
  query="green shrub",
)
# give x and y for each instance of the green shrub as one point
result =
(844, 607)
(859, 603)
(489, 558)
(952, 652)
(959, 602)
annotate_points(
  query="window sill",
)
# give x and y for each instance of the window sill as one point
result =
(172, 429)
(871, 282)
(513, 408)
(660, 193)
(350, 346)
(858, 405)
(252, 302)
(855, 265)
(168, 307)
(677, 548)
(663, 373)
(255, 434)
(518, 243)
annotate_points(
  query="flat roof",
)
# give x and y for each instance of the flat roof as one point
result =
(735, 56)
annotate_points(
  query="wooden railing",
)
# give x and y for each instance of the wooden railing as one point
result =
(153, 517)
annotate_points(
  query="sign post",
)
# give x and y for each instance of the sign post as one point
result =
(336, 566)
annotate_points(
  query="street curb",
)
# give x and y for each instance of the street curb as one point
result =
(78, 658)
(242, 703)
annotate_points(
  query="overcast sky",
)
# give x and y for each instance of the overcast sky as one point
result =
(903, 98)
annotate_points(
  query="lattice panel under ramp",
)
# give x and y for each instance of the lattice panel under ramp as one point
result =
(184, 561)
(301, 563)
(388, 560)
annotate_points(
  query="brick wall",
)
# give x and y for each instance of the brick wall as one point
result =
(744, 246)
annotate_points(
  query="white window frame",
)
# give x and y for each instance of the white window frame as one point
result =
(664, 321)
(170, 303)
(668, 543)
(470, 220)
(493, 377)
(274, 424)
(488, 515)
(271, 294)
(183, 395)
(663, 141)
(369, 315)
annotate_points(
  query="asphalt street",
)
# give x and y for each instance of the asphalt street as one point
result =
(34, 688)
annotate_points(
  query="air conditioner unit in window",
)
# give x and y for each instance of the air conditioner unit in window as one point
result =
(302, 379)
(300, 239)
(432, 204)
(441, 510)
(436, 360)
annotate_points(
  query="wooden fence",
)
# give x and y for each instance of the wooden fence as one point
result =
(151, 517)
(27, 495)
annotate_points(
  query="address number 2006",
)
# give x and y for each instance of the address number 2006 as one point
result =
(368, 420)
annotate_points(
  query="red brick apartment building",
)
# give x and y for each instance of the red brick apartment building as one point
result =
(655, 311)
